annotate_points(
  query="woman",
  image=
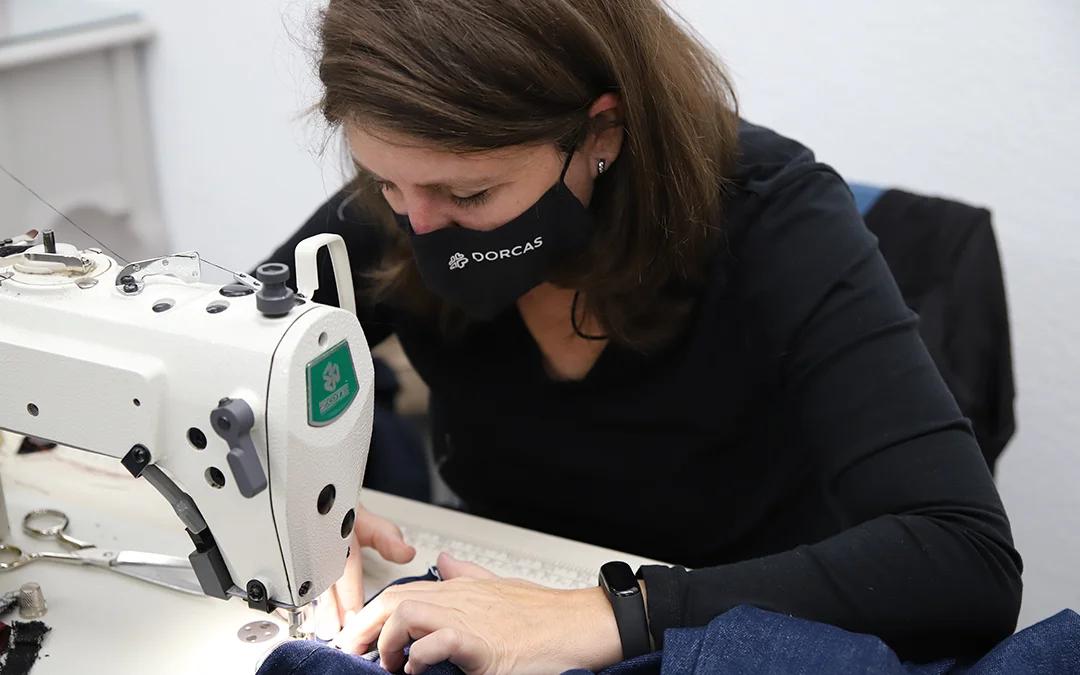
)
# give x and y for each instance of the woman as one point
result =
(647, 325)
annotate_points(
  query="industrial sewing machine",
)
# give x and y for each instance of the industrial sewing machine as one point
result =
(246, 405)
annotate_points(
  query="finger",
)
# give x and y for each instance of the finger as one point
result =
(444, 644)
(364, 525)
(412, 620)
(362, 629)
(350, 588)
(364, 626)
(452, 568)
(327, 621)
(384, 536)
(388, 540)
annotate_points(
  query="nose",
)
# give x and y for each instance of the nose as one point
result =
(425, 217)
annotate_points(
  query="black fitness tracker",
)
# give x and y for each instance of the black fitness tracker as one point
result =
(624, 593)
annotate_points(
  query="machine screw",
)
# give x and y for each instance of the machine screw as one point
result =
(140, 454)
(256, 591)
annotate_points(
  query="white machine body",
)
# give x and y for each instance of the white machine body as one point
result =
(89, 365)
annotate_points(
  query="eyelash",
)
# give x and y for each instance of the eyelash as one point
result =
(465, 202)
(472, 200)
(381, 185)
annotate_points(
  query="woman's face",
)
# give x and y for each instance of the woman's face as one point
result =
(437, 188)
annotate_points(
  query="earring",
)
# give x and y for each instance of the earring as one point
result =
(601, 167)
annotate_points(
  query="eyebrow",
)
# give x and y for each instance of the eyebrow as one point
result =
(437, 185)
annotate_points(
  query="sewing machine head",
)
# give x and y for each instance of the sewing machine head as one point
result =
(248, 407)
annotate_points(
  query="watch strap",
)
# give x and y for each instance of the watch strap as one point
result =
(628, 606)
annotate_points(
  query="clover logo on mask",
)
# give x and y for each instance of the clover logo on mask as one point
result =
(458, 261)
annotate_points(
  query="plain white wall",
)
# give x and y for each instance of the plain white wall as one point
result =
(229, 83)
(972, 99)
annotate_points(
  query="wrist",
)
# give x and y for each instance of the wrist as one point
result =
(596, 639)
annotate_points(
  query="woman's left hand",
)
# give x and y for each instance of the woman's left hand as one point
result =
(485, 624)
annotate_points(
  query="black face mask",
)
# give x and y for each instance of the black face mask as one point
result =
(483, 273)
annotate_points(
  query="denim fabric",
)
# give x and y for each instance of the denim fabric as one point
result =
(310, 657)
(646, 664)
(750, 640)
(1050, 646)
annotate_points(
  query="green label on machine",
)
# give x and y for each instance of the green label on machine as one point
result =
(331, 385)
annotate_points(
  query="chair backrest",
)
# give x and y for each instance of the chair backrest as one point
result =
(945, 260)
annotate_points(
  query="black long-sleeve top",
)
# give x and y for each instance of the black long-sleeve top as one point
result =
(796, 446)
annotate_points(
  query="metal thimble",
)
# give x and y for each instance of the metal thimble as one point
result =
(31, 601)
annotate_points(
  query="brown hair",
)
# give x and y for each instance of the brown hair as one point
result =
(473, 75)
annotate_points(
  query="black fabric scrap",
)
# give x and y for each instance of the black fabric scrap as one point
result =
(8, 248)
(26, 639)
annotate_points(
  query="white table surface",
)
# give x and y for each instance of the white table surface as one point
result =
(104, 622)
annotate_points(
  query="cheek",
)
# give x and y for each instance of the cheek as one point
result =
(579, 179)
(394, 201)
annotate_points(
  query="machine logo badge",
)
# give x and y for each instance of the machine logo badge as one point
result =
(458, 261)
(331, 385)
(331, 375)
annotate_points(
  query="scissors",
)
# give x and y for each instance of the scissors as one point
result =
(164, 570)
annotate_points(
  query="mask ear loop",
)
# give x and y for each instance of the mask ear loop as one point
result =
(574, 322)
(566, 165)
(577, 294)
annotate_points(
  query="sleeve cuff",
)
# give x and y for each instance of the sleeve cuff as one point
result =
(666, 590)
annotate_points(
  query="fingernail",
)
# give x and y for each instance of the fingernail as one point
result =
(408, 668)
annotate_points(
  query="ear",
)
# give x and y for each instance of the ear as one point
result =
(605, 138)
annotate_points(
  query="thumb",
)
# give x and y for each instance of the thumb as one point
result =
(450, 568)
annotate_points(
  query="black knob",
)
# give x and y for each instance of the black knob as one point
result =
(256, 591)
(274, 298)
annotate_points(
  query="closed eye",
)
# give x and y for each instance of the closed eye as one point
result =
(383, 185)
(472, 200)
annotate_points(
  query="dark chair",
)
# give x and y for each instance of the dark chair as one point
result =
(945, 260)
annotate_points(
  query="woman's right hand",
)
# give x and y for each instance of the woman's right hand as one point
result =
(346, 597)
